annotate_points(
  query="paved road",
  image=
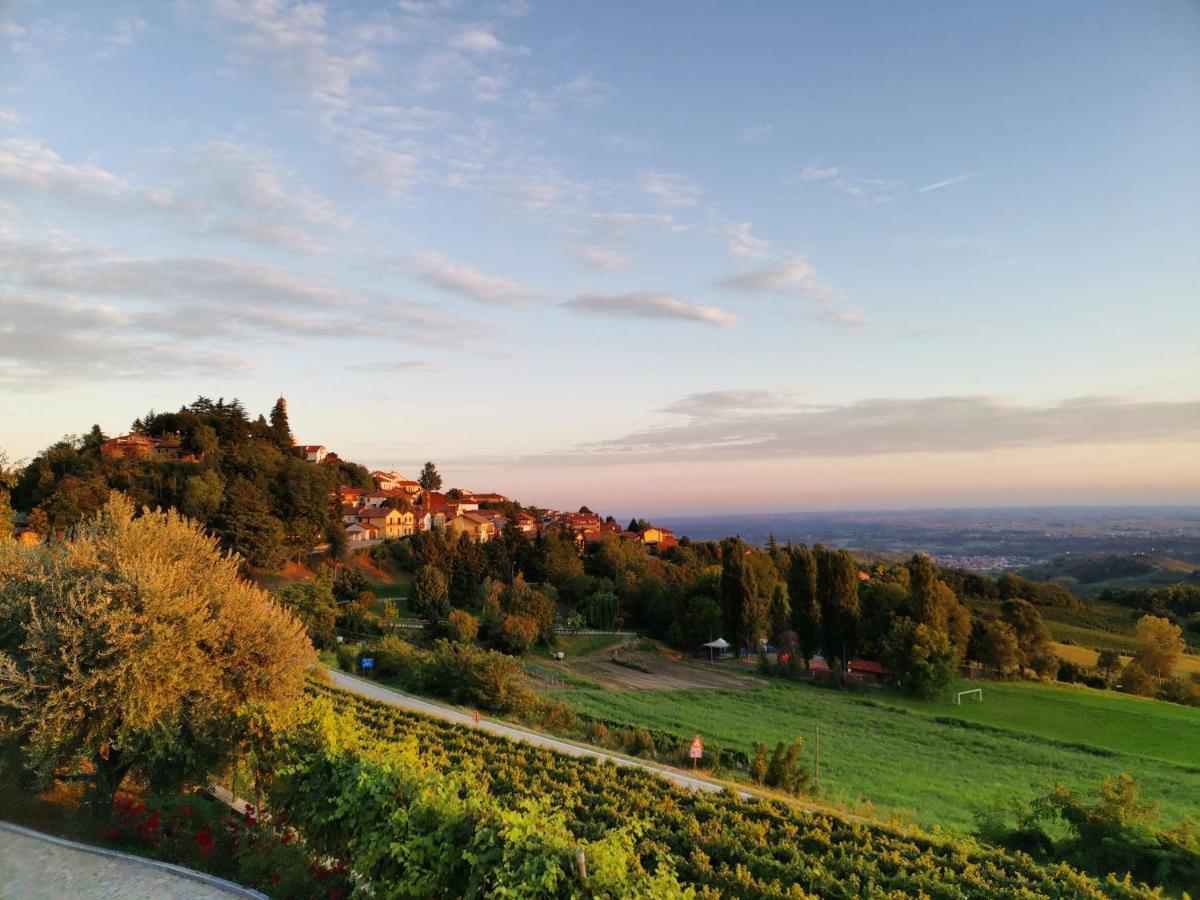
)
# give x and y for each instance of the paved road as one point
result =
(514, 732)
(35, 866)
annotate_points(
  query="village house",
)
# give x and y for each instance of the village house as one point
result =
(659, 538)
(391, 523)
(489, 498)
(358, 533)
(139, 446)
(314, 453)
(478, 525)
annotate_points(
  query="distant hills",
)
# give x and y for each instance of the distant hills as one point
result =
(1091, 574)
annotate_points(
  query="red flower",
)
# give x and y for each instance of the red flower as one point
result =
(205, 841)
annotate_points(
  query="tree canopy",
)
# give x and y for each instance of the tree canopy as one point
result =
(132, 648)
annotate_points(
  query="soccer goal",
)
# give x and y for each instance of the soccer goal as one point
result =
(977, 693)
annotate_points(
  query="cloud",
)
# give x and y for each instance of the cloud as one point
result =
(817, 172)
(195, 310)
(793, 275)
(126, 30)
(756, 134)
(605, 259)
(234, 190)
(761, 424)
(743, 243)
(470, 283)
(848, 317)
(27, 164)
(476, 40)
(938, 185)
(867, 191)
(650, 305)
(669, 189)
(253, 180)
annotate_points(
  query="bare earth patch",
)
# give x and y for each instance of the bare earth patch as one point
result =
(661, 674)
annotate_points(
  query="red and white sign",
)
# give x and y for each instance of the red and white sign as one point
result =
(697, 748)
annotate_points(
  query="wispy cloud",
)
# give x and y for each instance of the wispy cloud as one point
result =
(604, 259)
(744, 244)
(670, 189)
(476, 40)
(793, 275)
(651, 305)
(761, 424)
(470, 283)
(868, 191)
(756, 134)
(938, 185)
(172, 315)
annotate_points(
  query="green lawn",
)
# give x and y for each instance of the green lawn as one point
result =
(937, 764)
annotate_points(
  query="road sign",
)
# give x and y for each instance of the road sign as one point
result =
(697, 748)
(368, 662)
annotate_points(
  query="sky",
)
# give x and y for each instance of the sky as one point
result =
(655, 257)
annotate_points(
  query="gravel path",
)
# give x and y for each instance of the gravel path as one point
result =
(34, 866)
(513, 732)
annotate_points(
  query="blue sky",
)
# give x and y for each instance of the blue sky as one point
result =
(669, 256)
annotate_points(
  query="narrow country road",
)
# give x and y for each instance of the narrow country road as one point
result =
(376, 691)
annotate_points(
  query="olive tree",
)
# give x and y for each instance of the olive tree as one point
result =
(133, 647)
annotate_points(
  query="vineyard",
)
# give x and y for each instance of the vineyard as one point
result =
(717, 844)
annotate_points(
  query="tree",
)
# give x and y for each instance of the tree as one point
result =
(431, 593)
(1159, 642)
(837, 594)
(802, 593)
(1108, 661)
(921, 658)
(780, 610)
(313, 604)
(994, 644)
(429, 478)
(202, 495)
(133, 647)
(9, 475)
(1137, 681)
(247, 526)
(281, 431)
(1032, 635)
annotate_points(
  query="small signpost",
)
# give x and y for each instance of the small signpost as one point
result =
(696, 751)
(367, 663)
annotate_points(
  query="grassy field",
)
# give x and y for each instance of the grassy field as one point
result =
(936, 764)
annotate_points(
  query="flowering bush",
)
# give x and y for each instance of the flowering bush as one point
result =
(263, 853)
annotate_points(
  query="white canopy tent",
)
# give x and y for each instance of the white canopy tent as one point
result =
(716, 648)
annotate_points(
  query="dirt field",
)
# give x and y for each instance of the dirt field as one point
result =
(662, 673)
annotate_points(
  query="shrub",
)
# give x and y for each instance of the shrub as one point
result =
(397, 658)
(758, 766)
(347, 657)
(598, 733)
(638, 742)
(1136, 680)
(785, 770)
(462, 627)
(517, 633)
(557, 716)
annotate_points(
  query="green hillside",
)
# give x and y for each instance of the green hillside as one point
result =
(938, 763)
